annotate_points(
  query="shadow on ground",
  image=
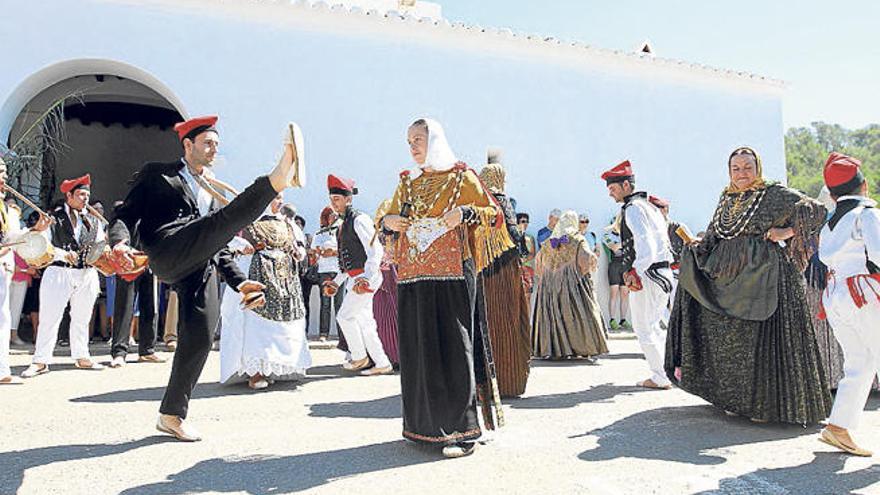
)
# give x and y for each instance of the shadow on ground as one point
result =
(820, 476)
(683, 434)
(261, 475)
(15, 463)
(599, 393)
(384, 408)
(202, 391)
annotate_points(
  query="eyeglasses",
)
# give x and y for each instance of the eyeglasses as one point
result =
(584, 222)
(744, 151)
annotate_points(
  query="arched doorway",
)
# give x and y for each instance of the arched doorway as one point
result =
(105, 124)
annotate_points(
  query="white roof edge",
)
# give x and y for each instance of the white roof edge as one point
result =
(549, 41)
(392, 17)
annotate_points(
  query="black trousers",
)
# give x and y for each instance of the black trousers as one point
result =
(192, 247)
(325, 303)
(199, 313)
(123, 309)
(306, 286)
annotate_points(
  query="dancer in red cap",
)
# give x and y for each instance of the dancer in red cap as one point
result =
(69, 279)
(647, 258)
(181, 225)
(360, 256)
(849, 245)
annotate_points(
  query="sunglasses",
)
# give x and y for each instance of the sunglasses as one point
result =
(523, 222)
(743, 151)
(584, 222)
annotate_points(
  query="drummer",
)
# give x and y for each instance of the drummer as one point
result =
(69, 279)
(10, 231)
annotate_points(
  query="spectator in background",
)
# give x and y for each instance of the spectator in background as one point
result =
(590, 236)
(618, 303)
(324, 252)
(527, 250)
(100, 324)
(545, 232)
(304, 268)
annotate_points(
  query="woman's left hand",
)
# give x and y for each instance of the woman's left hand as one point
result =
(777, 234)
(453, 218)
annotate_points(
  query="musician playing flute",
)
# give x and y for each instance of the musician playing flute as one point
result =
(69, 279)
(10, 231)
(184, 231)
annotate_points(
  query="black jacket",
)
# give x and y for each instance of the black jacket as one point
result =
(158, 203)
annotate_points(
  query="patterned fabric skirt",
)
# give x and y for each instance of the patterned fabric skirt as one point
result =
(567, 320)
(768, 370)
(507, 318)
(385, 313)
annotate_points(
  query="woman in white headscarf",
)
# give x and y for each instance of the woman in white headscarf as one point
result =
(448, 229)
(567, 322)
(268, 343)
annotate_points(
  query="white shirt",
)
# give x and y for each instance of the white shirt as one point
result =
(854, 240)
(100, 235)
(363, 227)
(203, 197)
(326, 240)
(650, 237)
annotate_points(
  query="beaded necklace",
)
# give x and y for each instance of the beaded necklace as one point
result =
(422, 197)
(735, 211)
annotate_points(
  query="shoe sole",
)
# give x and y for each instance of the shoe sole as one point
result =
(836, 444)
(175, 435)
(38, 373)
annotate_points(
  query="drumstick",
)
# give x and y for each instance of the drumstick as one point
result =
(25, 200)
(10, 244)
(95, 213)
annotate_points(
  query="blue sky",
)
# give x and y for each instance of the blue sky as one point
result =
(827, 52)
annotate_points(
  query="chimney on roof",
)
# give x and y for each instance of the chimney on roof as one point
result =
(645, 47)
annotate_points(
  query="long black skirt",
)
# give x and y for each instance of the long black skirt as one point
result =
(435, 323)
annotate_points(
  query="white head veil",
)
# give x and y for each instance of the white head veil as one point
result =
(825, 198)
(566, 226)
(439, 156)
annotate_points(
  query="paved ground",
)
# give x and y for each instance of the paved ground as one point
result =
(579, 429)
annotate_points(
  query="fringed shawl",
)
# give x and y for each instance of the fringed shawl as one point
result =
(487, 236)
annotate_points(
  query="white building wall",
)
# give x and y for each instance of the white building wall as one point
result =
(562, 114)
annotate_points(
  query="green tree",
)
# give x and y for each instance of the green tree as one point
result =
(807, 148)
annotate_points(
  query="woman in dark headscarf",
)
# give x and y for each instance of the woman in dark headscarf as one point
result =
(740, 334)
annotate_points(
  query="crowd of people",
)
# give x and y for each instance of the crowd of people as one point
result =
(762, 315)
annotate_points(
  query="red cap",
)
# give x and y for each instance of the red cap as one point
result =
(340, 185)
(193, 127)
(74, 184)
(621, 172)
(842, 173)
(658, 202)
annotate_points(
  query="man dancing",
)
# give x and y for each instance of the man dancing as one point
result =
(647, 257)
(849, 245)
(185, 236)
(360, 256)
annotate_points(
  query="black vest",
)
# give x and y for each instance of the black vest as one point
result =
(63, 238)
(352, 255)
(627, 245)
